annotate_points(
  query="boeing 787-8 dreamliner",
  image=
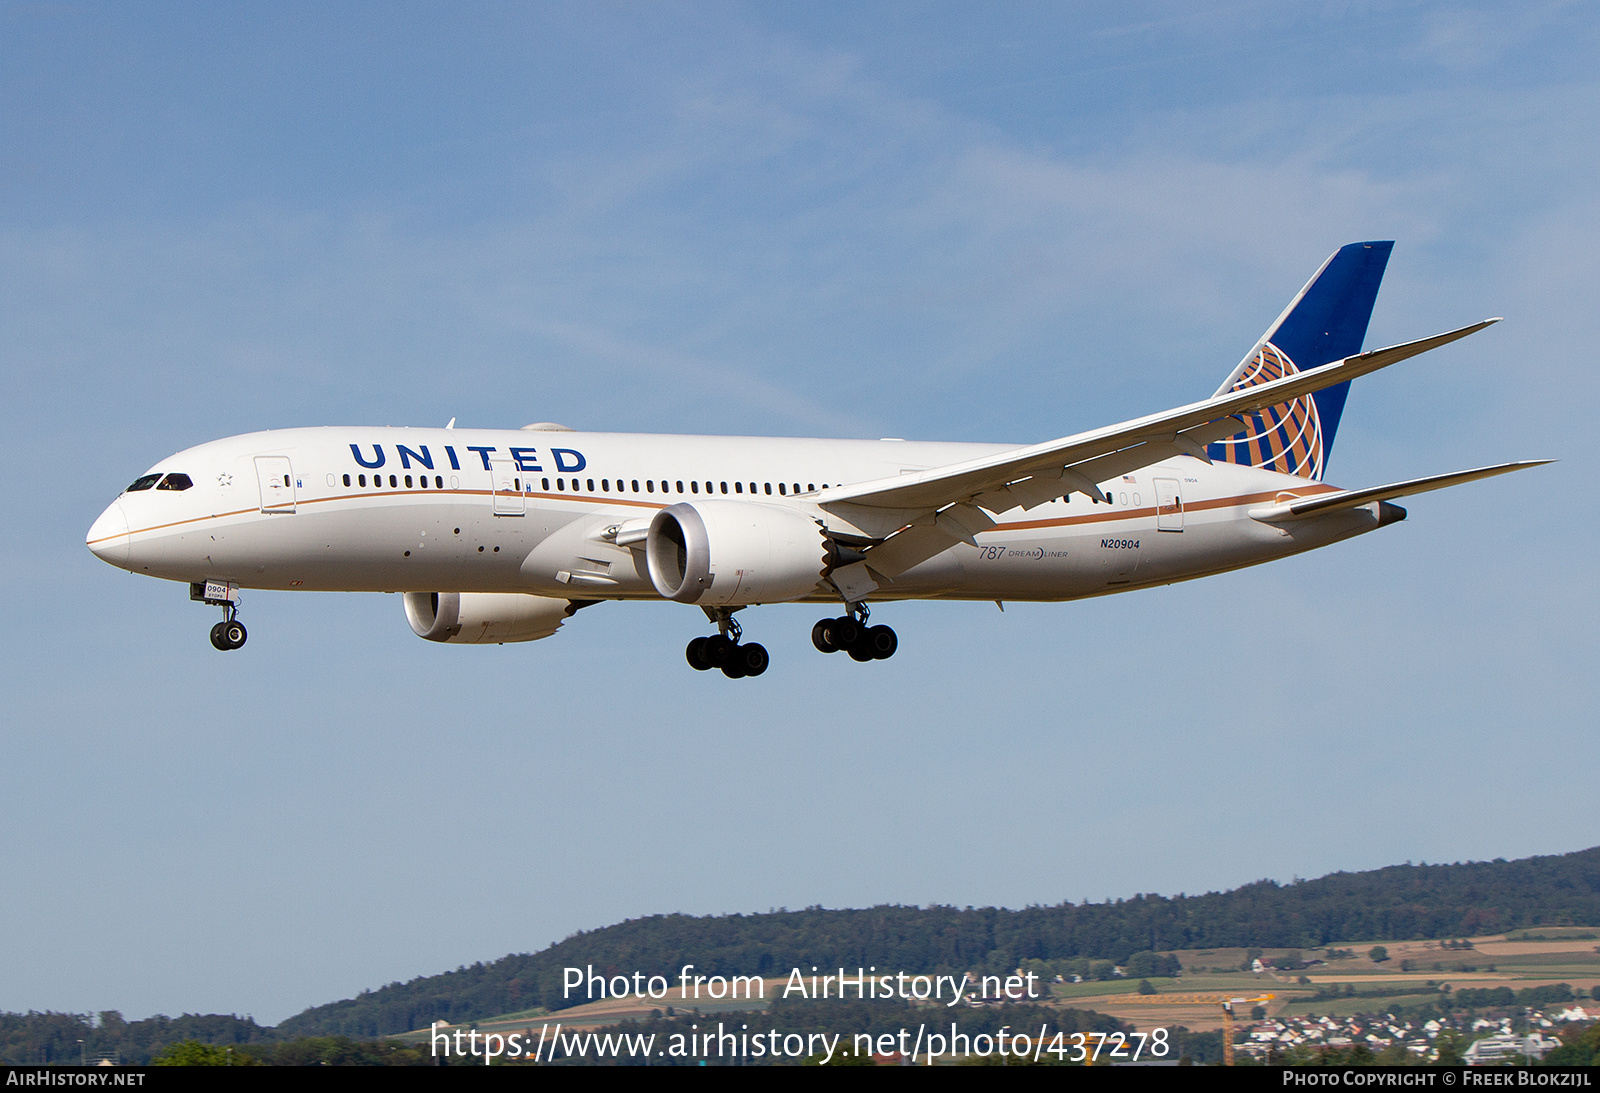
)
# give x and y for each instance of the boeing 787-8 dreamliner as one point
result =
(500, 536)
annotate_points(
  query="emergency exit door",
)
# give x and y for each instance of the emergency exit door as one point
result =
(1169, 505)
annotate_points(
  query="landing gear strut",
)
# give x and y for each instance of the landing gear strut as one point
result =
(850, 633)
(725, 651)
(230, 632)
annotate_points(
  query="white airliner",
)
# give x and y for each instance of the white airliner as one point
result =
(500, 536)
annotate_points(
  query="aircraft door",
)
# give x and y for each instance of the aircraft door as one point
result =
(510, 488)
(1169, 505)
(276, 479)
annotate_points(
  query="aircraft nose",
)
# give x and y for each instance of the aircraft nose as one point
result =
(108, 537)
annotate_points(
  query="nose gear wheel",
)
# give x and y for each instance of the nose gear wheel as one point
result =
(229, 635)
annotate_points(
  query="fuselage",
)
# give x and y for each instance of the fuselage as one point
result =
(423, 510)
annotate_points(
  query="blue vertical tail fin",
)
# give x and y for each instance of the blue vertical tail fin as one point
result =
(1326, 322)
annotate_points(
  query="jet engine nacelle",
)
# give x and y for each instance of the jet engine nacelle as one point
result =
(484, 618)
(727, 553)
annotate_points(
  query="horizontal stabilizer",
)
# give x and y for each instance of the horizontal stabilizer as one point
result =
(1323, 503)
(1103, 453)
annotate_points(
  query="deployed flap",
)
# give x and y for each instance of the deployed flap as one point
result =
(1137, 443)
(928, 535)
(913, 546)
(1319, 504)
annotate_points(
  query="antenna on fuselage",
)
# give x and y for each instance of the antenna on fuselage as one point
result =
(451, 424)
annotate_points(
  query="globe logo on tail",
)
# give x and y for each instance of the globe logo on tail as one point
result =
(1286, 438)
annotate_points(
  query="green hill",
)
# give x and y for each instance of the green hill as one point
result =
(1398, 902)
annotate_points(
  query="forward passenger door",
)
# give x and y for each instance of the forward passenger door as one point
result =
(276, 479)
(510, 488)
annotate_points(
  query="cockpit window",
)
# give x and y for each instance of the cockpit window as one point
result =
(143, 483)
(175, 482)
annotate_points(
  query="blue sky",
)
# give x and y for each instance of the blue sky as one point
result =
(909, 220)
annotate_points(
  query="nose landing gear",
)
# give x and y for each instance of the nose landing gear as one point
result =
(851, 634)
(230, 632)
(725, 651)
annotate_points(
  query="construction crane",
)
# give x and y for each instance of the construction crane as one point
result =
(1227, 1002)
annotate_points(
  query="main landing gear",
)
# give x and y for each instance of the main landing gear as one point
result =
(725, 651)
(850, 633)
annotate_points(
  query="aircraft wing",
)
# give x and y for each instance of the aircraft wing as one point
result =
(1318, 504)
(932, 510)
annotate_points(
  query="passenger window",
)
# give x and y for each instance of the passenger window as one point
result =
(694, 487)
(738, 487)
(347, 480)
(605, 485)
(591, 485)
(680, 485)
(143, 483)
(724, 487)
(546, 484)
(635, 485)
(394, 482)
(408, 481)
(438, 481)
(810, 488)
(183, 482)
(422, 480)
(769, 489)
(650, 485)
(781, 489)
(561, 484)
